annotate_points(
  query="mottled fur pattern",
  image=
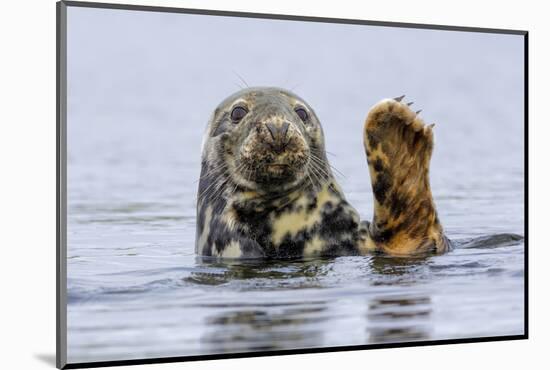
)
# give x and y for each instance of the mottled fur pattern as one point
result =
(267, 190)
(399, 146)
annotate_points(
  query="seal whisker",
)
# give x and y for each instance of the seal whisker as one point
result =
(331, 166)
(318, 175)
(216, 167)
(223, 178)
(319, 170)
(211, 189)
(211, 172)
(338, 172)
(322, 171)
(310, 180)
(240, 78)
(234, 190)
(219, 190)
(239, 168)
(317, 157)
(205, 191)
(249, 171)
(214, 185)
(319, 162)
(295, 86)
(315, 185)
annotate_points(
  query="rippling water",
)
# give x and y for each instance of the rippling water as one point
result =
(139, 98)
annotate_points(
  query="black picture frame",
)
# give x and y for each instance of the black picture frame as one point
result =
(61, 185)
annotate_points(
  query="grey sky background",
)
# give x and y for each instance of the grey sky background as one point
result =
(142, 85)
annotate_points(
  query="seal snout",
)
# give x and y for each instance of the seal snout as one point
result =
(278, 135)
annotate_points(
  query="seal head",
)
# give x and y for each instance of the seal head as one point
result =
(266, 138)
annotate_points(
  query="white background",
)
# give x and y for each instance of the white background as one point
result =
(27, 193)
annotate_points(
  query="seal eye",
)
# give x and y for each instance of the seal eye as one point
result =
(301, 112)
(238, 114)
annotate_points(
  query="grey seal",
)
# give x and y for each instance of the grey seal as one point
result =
(266, 188)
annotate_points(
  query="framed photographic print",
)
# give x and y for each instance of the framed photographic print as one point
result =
(239, 184)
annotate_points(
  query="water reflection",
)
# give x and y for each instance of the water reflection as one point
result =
(388, 265)
(399, 319)
(301, 322)
(278, 327)
(214, 272)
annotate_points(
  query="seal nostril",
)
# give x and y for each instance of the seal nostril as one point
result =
(279, 135)
(272, 130)
(278, 131)
(284, 131)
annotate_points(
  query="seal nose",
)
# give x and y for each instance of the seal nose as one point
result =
(279, 134)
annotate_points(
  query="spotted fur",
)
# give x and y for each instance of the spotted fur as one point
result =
(267, 190)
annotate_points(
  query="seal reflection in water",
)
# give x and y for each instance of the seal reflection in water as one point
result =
(267, 190)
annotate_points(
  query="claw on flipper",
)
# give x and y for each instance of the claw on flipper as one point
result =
(418, 111)
(428, 129)
(399, 98)
(410, 103)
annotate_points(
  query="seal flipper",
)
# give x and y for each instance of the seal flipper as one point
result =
(399, 146)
